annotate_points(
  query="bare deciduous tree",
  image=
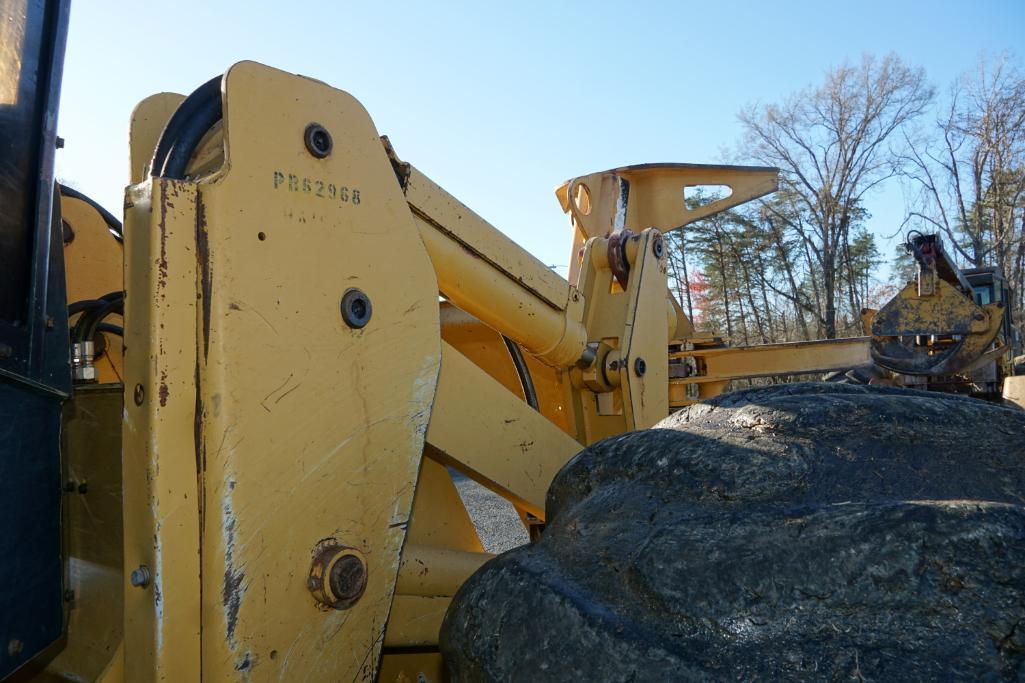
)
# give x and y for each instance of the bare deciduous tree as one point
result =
(832, 144)
(969, 170)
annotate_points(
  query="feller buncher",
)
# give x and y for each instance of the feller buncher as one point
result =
(230, 420)
(949, 329)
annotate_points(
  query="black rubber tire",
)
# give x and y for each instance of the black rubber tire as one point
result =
(804, 531)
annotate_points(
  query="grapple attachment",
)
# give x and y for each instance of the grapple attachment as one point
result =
(933, 326)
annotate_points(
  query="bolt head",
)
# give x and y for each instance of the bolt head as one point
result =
(640, 367)
(140, 577)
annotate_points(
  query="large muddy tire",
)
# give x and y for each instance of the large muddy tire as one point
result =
(807, 531)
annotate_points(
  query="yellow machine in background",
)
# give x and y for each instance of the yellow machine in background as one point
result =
(949, 329)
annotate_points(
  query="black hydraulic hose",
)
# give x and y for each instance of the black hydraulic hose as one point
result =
(113, 329)
(520, 363)
(86, 304)
(190, 122)
(86, 325)
(83, 305)
(113, 296)
(113, 224)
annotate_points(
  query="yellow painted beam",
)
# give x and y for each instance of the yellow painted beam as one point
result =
(432, 203)
(777, 359)
(160, 465)
(486, 432)
(432, 571)
(415, 621)
(411, 667)
(475, 286)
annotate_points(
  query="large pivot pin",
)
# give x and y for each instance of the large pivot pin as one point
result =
(338, 575)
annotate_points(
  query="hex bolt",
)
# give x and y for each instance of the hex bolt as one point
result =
(318, 140)
(140, 577)
(6, 351)
(14, 647)
(139, 394)
(83, 487)
(356, 308)
(640, 367)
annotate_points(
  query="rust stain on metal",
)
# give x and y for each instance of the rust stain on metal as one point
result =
(205, 280)
(163, 391)
(197, 432)
(162, 227)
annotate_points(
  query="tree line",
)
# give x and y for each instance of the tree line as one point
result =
(803, 263)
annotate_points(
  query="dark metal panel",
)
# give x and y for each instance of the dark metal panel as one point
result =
(32, 35)
(34, 368)
(31, 567)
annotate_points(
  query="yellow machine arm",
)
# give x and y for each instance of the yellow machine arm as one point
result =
(294, 391)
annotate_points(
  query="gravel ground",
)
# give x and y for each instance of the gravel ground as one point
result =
(497, 523)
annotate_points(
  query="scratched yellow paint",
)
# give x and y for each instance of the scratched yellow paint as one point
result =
(309, 429)
(161, 494)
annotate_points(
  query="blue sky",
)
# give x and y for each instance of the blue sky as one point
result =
(499, 103)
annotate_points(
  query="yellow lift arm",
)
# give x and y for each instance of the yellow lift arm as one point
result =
(294, 391)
